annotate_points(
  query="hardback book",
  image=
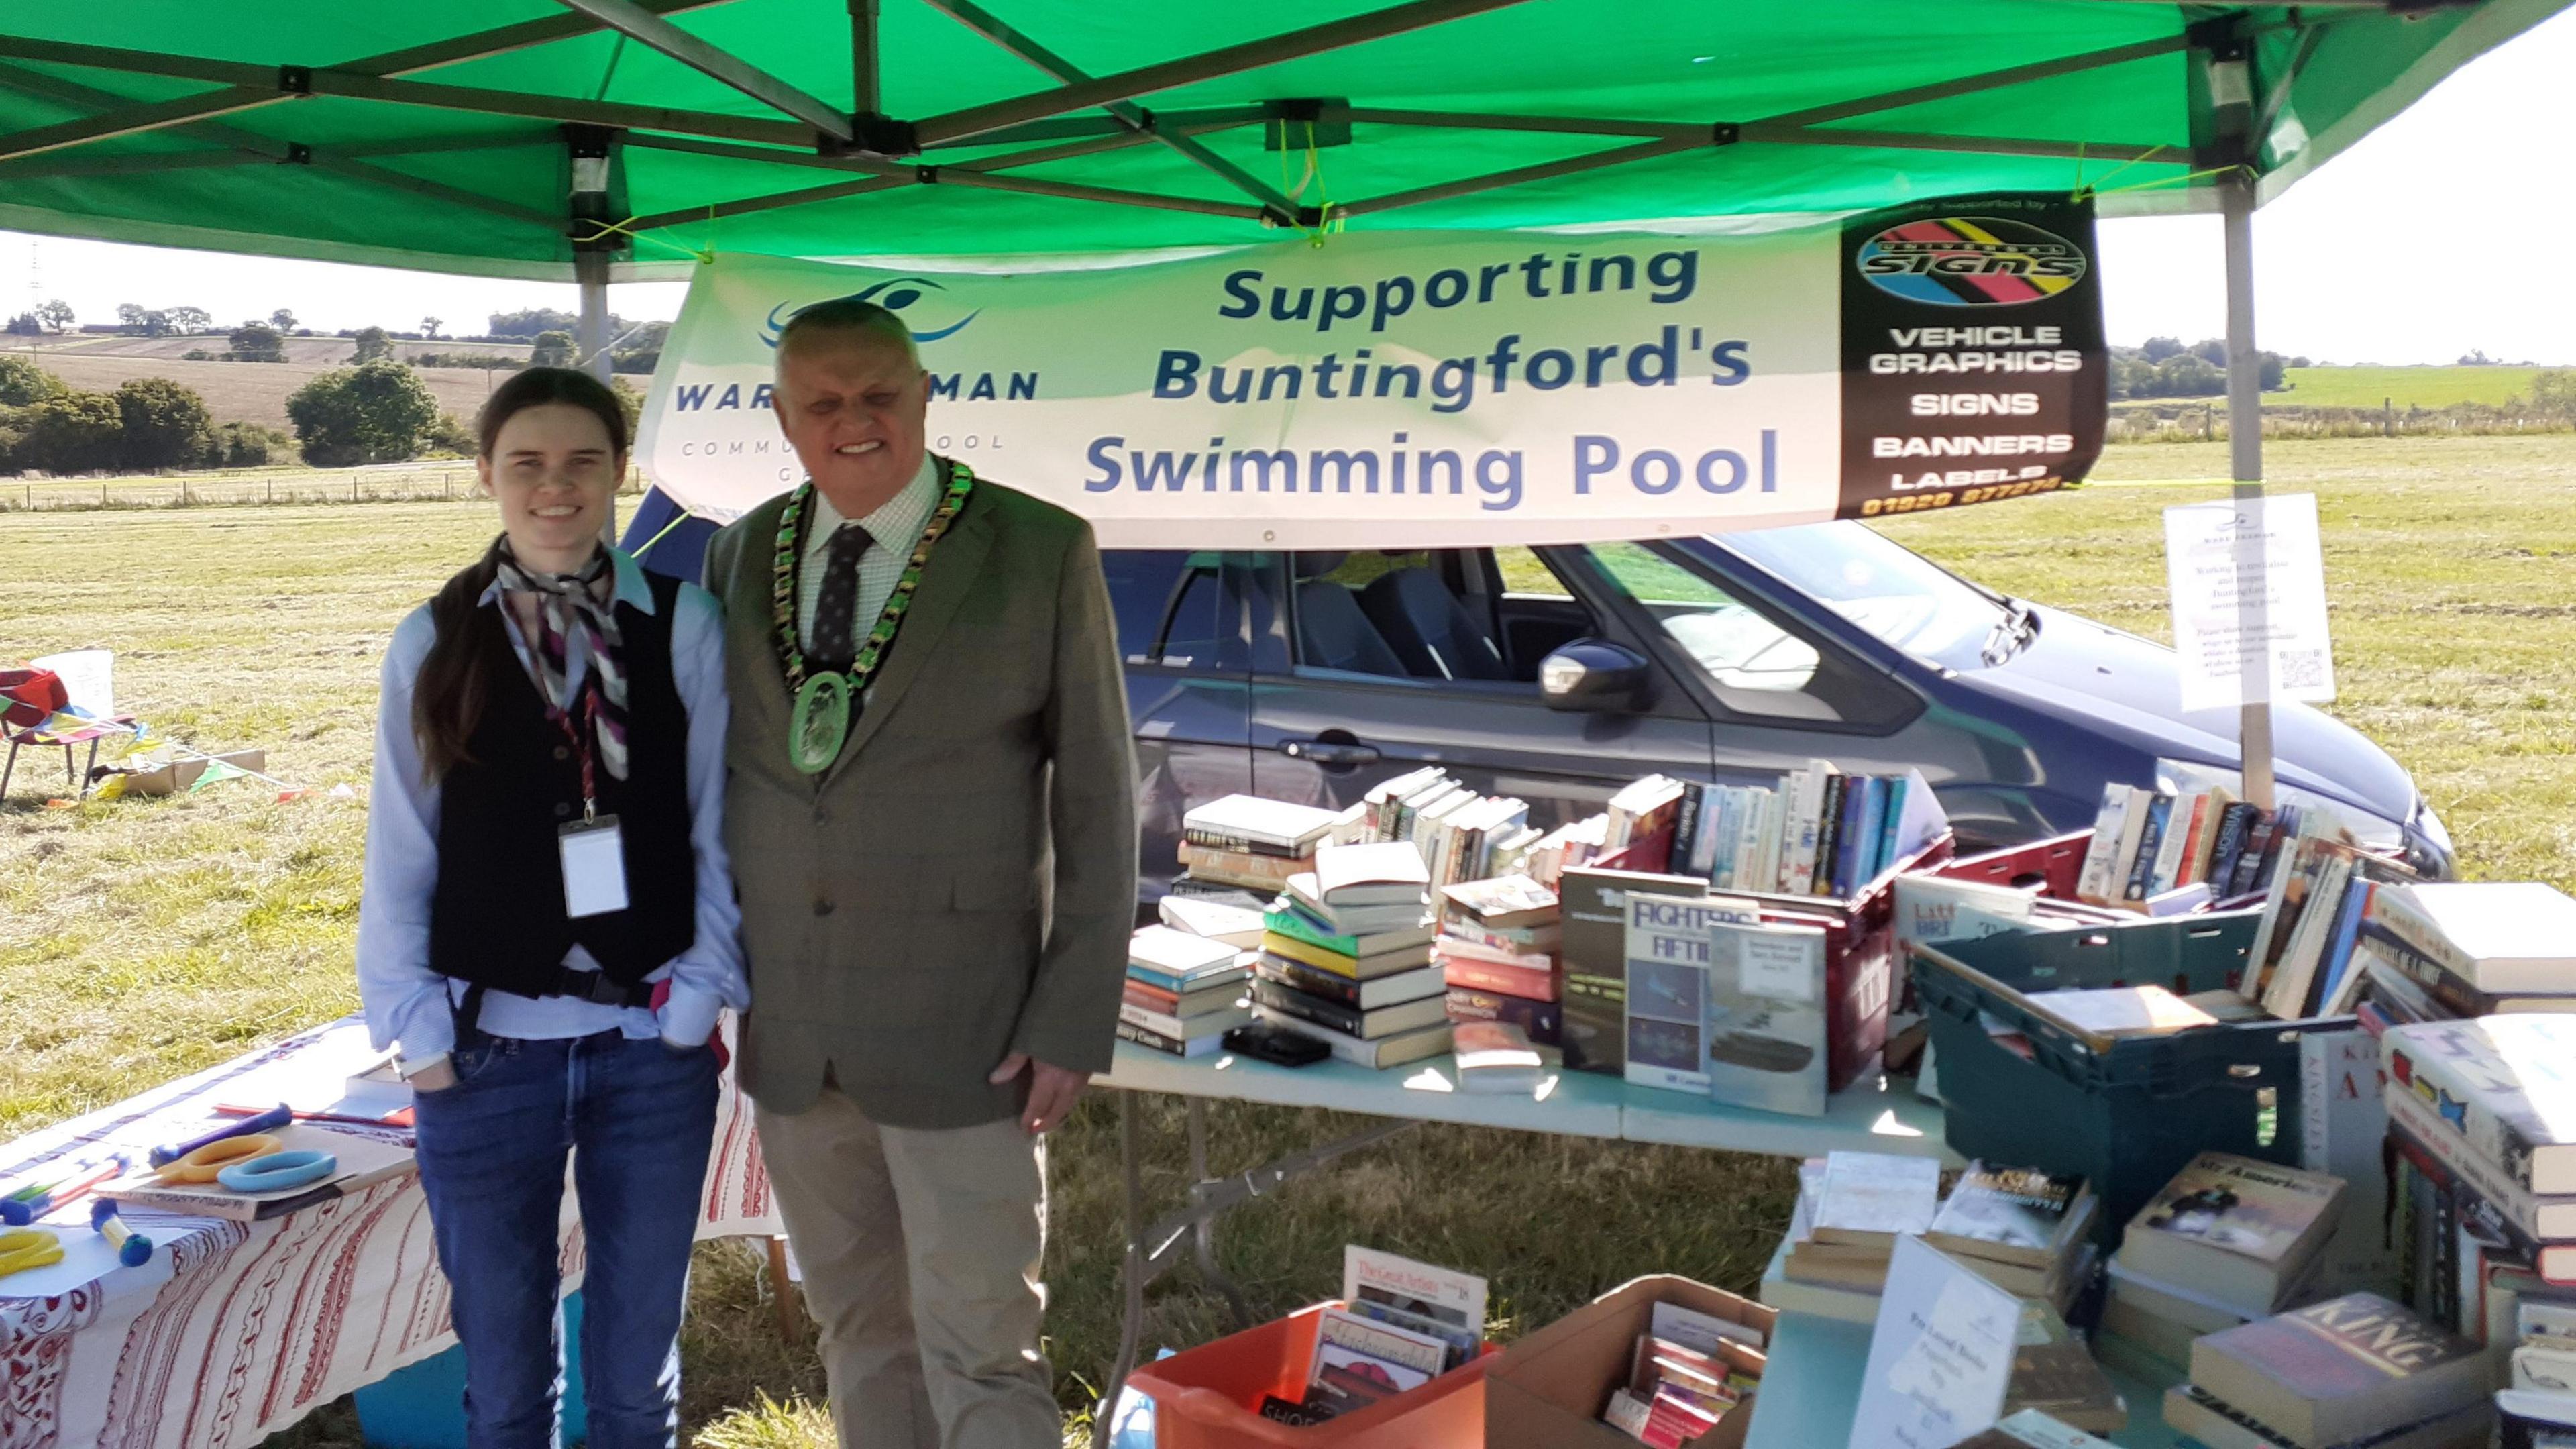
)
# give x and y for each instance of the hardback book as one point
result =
(1232, 974)
(1246, 869)
(1594, 902)
(2498, 936)
(1417, 1297)
(1250, 823)
(1215, 920)
(2031, 1429)
(1367, 995)
(1376, 1054)
(1508, 902)
(1543, 1022)
(1460, 947)
(2114, 1012)
(2054, 1372)
(1384, 1021)
(1359, 1361)
(2526, 1420)
(1168, 1045)
(1178, 954)
(1802, 819)
(1668, 988)
(1477, 973)
(1870, 1199)
(1380, 804)
(1768, 1012)
(2507, 1084)
(1186, 1028)
(1503, 942)
(2012, 1215)
(2218, 1425)
(2544, 1368)
(2426, 982)
(2336, 1371)
(2178, 1305)
(1292, 921)
(1377, 874)
(1495, 1056)
(1185, 888)
(2550, 1219)
(2234, 1229)
(1358, 968)
(1184, 1006)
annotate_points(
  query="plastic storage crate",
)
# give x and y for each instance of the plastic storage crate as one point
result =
(1209, 1397)
(2128, 1113)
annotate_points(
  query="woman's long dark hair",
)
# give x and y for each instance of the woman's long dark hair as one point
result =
(447, 699)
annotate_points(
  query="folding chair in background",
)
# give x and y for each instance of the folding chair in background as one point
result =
(61, 700)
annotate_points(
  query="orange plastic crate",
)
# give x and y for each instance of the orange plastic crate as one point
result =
(1209, 1397)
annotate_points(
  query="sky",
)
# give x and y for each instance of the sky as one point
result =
(2479, 165)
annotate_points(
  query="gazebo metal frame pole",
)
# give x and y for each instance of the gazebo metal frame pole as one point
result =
(2245, 455)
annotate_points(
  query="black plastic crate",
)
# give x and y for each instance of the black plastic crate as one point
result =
(2128, 1113)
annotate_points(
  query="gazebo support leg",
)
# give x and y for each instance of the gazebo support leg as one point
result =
(2245, 455)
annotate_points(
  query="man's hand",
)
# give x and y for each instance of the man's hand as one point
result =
(1052, 1090)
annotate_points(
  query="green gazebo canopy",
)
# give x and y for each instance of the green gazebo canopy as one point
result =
(501, 137)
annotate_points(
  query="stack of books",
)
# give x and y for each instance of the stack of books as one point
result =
(2356, 1370)
(1246, 843)
(2228, 1241)
(2538, 1405)
(2023, 1230)
(1852, 1207)
(2482, 1118)
(1498, 953)
(1346, 957)
(1461, 834)
(1818, 832)
(1236, 924)
(2148, 844)
(1675, 1393)
(2300, 962)
(1494, 1056)
(2435, 951)
(1184, 992)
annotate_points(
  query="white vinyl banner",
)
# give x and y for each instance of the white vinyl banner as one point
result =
(1379, 390)
(1454, 389)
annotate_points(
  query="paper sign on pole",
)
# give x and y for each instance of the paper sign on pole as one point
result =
(1458, 388)
(2249, 601)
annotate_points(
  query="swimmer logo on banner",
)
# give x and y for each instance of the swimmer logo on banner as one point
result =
(1444, 389)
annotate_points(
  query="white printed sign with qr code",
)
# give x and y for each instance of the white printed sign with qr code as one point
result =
(2249, 601)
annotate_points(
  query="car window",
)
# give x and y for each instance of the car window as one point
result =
(1896, 594)
(1528, 575)
(1173, 607)
(1753, 664)
(1424, 614)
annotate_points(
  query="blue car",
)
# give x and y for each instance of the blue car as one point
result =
(1560, 674)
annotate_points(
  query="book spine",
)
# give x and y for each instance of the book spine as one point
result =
(1177, 985)
(1245, 844)
(1158, 1022)
(1310, 1008)
(1847, 842)
(1542, 1021)
(1686, 827)
(1152, 1040)
(1883, 850)
(1518, 981)
(1296, 925)
(1240, 867)
(1320, 959)
(1152, 998)
(1299, 976)
(2230, 845)
(2142, 864)
(2540, 1219)
(2395, 913)
(1829, 833)
(2462, 1111)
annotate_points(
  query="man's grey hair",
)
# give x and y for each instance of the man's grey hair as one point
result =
(846, 314)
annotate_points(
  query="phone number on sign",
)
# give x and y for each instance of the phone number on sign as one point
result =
(1917, 502)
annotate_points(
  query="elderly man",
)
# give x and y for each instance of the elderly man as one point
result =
(932, 818)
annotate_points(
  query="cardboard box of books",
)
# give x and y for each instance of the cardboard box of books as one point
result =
(1370, 1384)
(1550, 1388)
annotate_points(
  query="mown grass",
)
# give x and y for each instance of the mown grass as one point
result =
(2427, 387)
(139, 940)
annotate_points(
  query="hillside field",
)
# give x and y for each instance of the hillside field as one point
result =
(251, 392)
(2424, 387)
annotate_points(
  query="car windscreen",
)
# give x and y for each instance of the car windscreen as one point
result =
(1907, 601)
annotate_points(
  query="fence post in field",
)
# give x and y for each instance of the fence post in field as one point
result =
(272, 490)
(2388, 417)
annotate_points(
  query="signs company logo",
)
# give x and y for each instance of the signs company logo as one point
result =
(895, 296)
(1970, 261)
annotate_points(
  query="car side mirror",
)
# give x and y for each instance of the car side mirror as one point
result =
(1594, 675)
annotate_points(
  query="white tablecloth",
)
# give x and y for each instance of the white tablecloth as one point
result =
(235, 1330)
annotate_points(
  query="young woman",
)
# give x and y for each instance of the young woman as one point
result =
(548, 926)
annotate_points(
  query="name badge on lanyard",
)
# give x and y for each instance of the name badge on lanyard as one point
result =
(594, 852)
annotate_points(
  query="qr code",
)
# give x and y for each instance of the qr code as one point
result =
(2303, 668)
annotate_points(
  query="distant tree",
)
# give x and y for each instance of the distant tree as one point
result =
(530, 321)
(2476, 357)
(429, 328)
(58, 314)
(2553, 393)
(258, 342)
(453, 435)
(248, 445)
(376, 412)
(2160, 348)
(551, 349)
(283, 319)
(373, 345)
(132, 315)
(72, 432)
(23, 382)
(25, 324)
(2188, 374)
(2212, 350)
(156, 323)
(629, 402)
(190, 319)
(164, 425)
(2301, 361)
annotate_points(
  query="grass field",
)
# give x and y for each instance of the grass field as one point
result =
(139, 940)
(2424, 387)
(251, 392)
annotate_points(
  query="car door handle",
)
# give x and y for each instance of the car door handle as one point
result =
(1329, 753)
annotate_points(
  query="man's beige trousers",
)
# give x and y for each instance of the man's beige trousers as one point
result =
(920, 1252)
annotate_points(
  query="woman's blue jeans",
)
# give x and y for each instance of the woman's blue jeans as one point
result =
(636, 1119)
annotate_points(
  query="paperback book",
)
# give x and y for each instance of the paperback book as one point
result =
(1595, 906)
(2235, 1230)
(1669, 987)
(1360, 1361)
(1440, 1302)
(1766, 1013)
